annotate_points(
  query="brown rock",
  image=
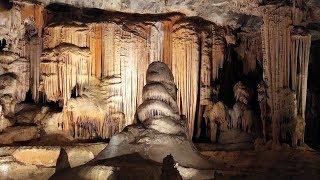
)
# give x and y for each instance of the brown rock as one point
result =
(44, 156)
(13, 169)
(18, 134)
(78, 155)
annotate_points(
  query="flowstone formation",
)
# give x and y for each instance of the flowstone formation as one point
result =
(159, 130)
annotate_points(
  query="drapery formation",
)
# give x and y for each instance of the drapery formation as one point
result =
(185, 69)
(108, 50)
(66, 58)
(21, 28)
(62, 69)
(285, 62)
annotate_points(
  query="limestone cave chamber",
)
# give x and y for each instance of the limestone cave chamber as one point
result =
(162, 89)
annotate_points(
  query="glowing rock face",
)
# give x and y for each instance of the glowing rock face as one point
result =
(159, 131)
(14, 80)
(98, 112)
(159, 99)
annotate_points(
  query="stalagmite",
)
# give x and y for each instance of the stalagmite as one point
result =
(217, 114)
(264, 107)
(156, 136)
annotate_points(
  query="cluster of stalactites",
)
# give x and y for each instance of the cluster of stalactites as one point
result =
(192, 67)
(250, 51)
(21, 29)
(299, 61)
(185, 68)
(70, 33)
(125, 53)
(285, 63)
(98, 113)
(62, 69)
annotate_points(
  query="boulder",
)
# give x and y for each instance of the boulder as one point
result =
(41, 156)
(5, 122)
(18, 134)
(78, 155)
(13, 169)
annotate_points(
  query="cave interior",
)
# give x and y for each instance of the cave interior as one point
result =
(173, 89)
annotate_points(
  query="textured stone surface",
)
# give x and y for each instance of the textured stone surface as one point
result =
(41, 156)
(215, 11)
(18, 134)
(13, 169)
(153, 142)
(78, 155)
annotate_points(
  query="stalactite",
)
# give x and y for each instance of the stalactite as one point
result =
(156, 40)
(185, 68)
(300, 58)
(286, 54)
(205, 70)
(64, 68)
(96, 48)
(167, 42)
(70, 33)
(276, 24)
(35, 54)
(123, 53)
(217, 54)
(249, 50)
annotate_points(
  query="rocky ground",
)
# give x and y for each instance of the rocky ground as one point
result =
(289, 164)
(41, 162)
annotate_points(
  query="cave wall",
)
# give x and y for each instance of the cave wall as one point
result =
(92, 60)
(103, 62)
(286, 50)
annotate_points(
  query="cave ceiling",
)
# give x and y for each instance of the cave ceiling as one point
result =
(232, 13)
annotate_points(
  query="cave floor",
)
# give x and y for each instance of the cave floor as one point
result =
(285, 164)
(289, 163)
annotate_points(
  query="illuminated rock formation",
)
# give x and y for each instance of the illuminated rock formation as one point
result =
(158, 135)
(98, 113)
(217, 115)
(241, 93)
(285, 61)
(14, 78)
(156, 111)
(250, 50)
(70, 53)
(290, 121)
(63, 68)
(264, 107)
